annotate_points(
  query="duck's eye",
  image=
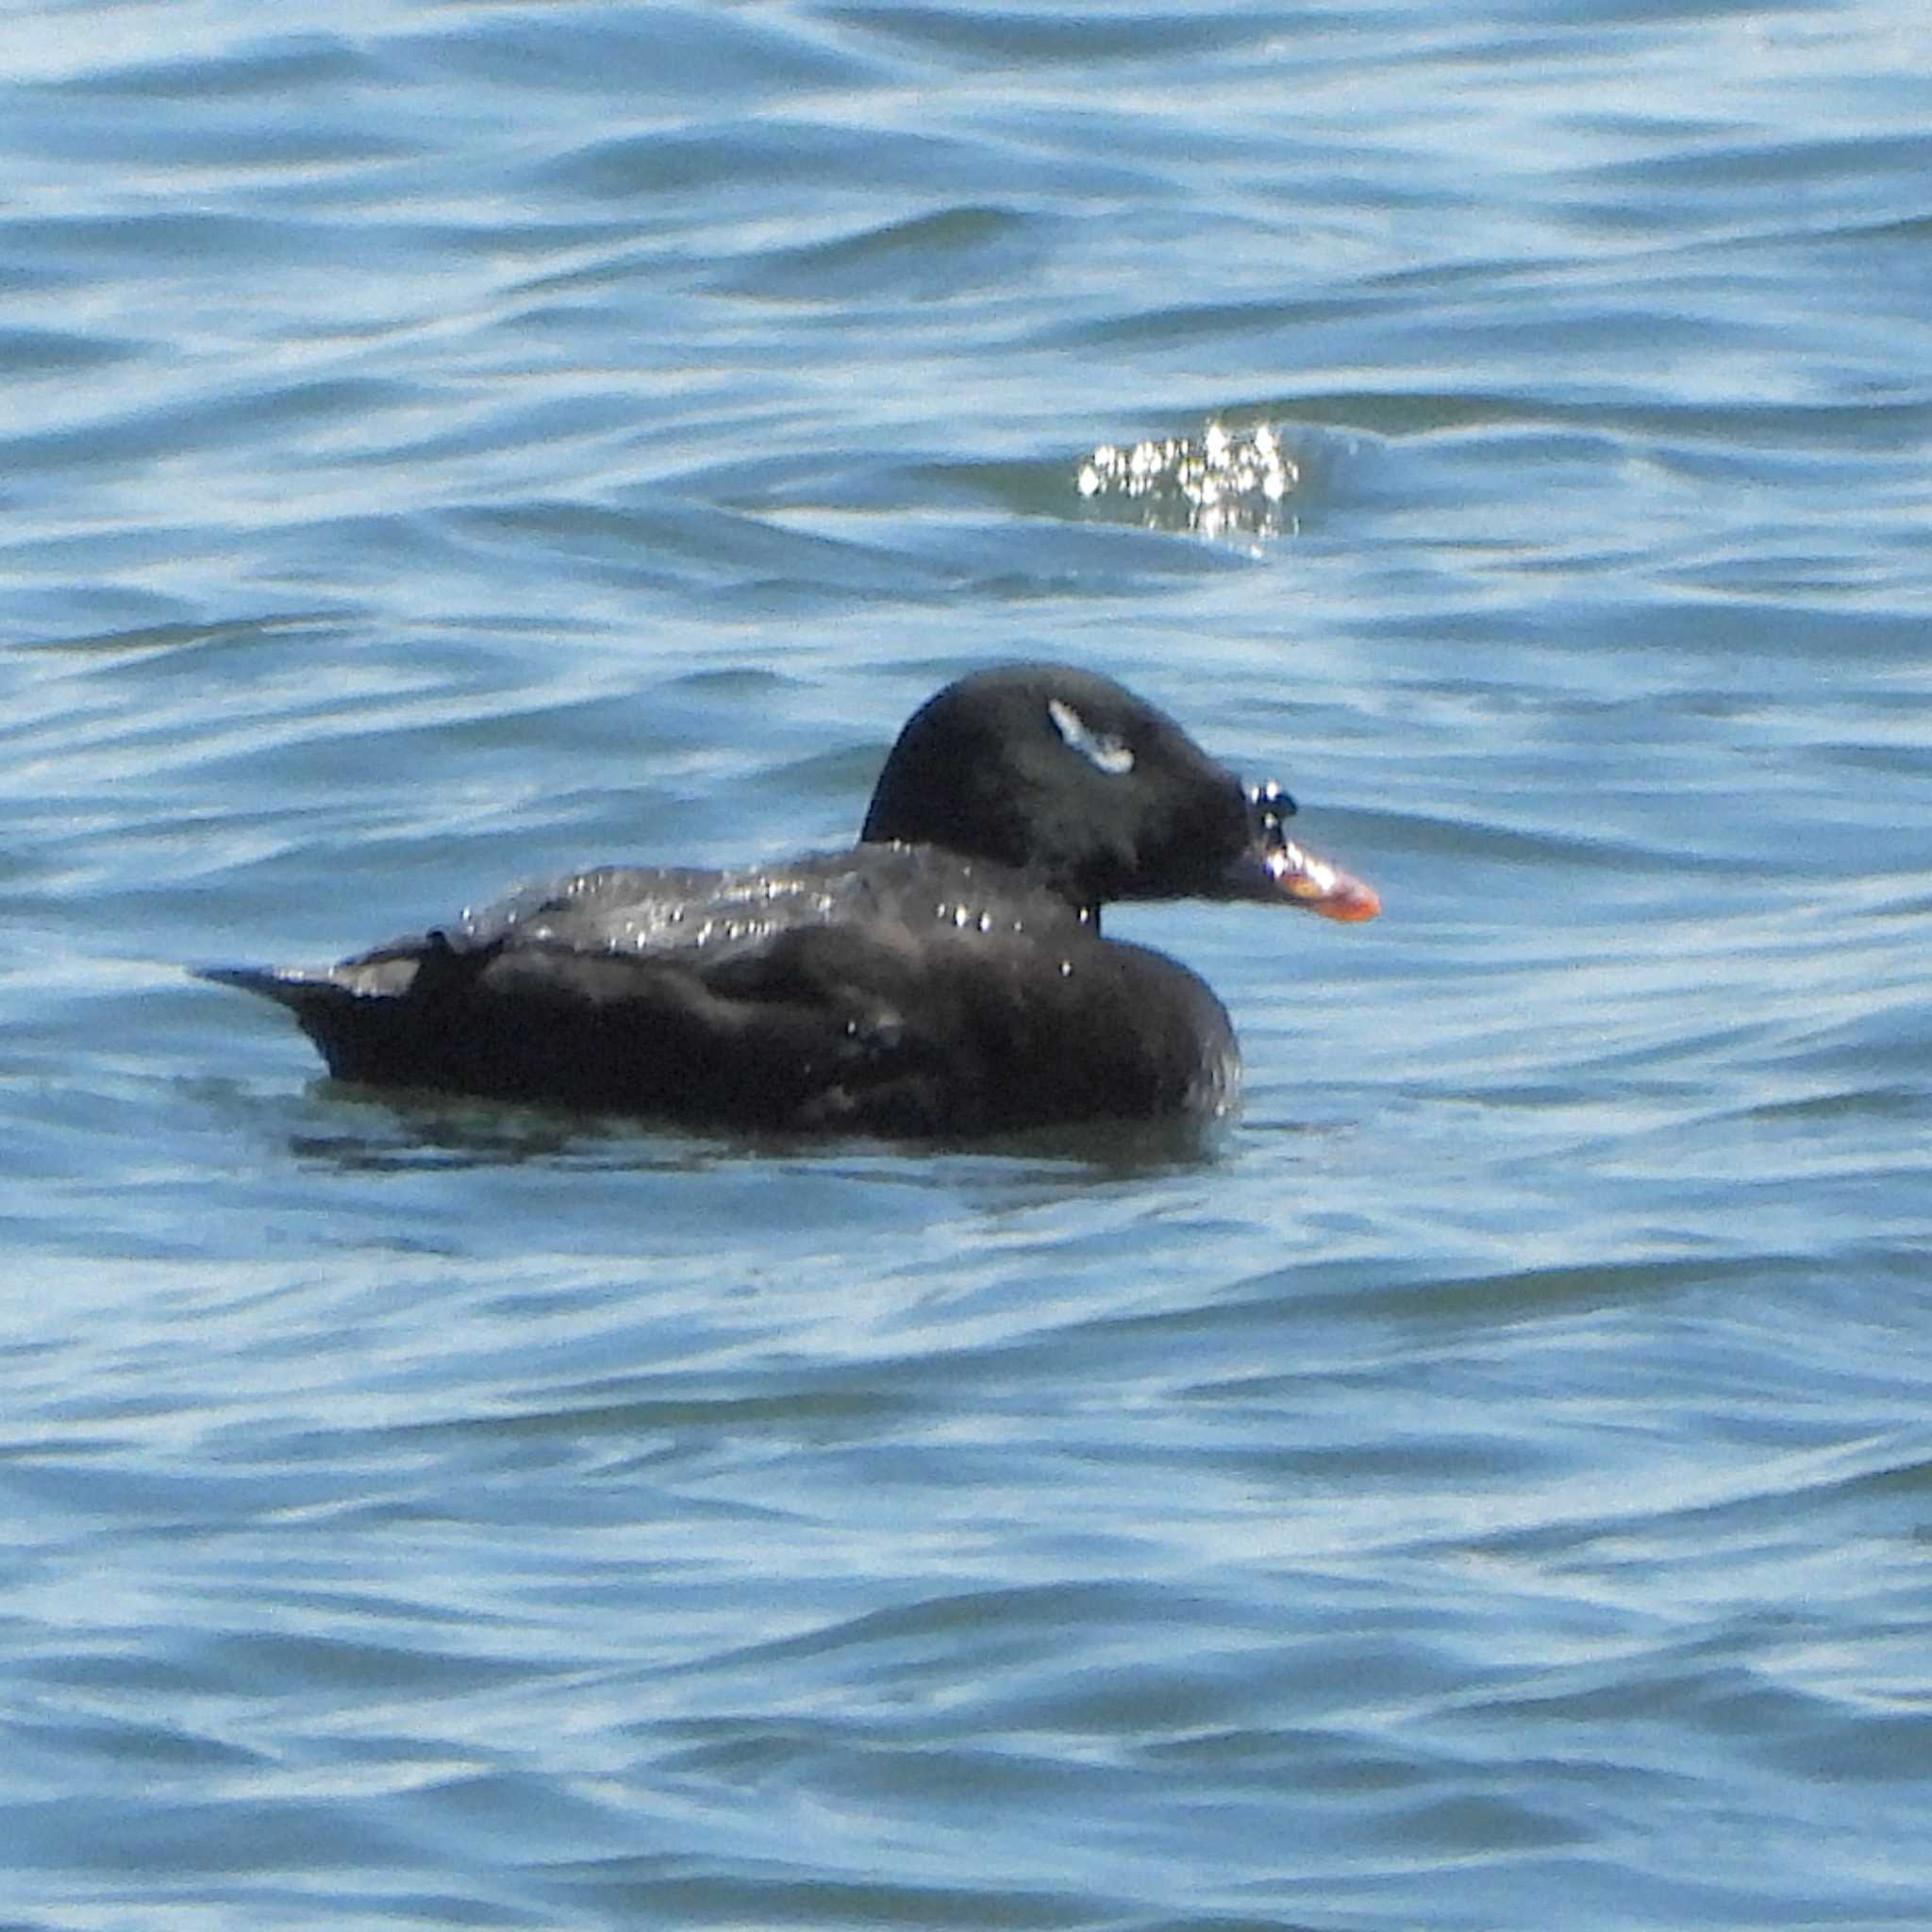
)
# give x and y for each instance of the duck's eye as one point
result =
(1108, 755)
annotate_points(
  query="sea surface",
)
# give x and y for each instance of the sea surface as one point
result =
(1488, 1486)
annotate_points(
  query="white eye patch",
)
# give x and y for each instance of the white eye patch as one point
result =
(1107, 754)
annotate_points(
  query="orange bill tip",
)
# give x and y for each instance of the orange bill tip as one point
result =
(1316, 886)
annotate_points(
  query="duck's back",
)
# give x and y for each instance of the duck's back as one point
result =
(893, 988)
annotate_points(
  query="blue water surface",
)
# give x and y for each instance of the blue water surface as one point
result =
(1488, 1486)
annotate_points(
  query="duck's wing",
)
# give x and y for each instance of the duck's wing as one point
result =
(516, 997)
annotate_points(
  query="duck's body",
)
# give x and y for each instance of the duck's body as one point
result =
(946, 976)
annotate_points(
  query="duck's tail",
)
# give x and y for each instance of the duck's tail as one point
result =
(363, 1030)
(288, 986)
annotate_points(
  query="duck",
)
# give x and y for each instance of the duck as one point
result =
(948, 976)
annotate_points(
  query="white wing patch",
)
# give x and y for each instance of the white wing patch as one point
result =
(1107, 754)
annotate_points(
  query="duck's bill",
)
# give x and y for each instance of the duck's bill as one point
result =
(1316, 886)
(1278, 869)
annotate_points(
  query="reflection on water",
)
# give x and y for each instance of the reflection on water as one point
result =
(1223, 483)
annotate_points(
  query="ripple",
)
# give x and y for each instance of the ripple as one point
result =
(936, 256)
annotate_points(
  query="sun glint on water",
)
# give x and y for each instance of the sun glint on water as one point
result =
(1224, 483)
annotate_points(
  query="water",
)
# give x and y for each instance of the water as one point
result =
(444, 443)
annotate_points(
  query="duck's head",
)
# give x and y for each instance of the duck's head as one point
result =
(1065, 775)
